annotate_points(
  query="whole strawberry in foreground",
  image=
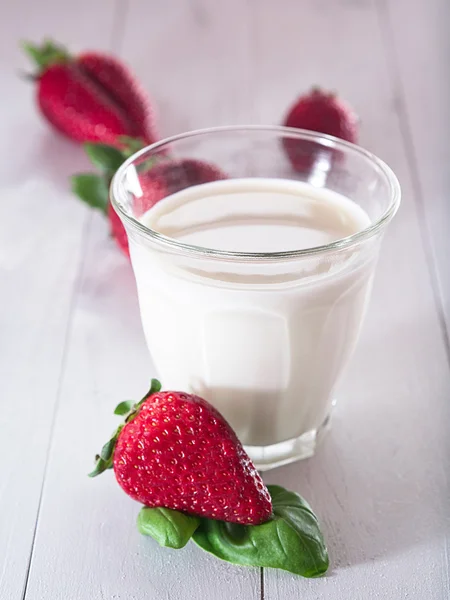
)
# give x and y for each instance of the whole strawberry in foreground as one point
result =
(176, 451)
(164, 176)
(323, 112)
(92, 97)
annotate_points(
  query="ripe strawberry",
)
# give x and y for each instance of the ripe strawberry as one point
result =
(165, 177)
(323, 112)
(92, 97)
(176, 451)
(117, 80)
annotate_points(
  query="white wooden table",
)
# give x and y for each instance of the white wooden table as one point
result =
(71, 344)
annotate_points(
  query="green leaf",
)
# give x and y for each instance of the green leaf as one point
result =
(100, 466)
(49, 53)
(104, 157)
(168, 527)
(155, 386)
(34, 52)
(130, 410)
(92, 189)
(124, 407)
(131, 144)
(105, 460)
(291, 540)
(108, 449)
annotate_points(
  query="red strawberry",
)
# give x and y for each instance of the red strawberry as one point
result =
(117, 80)
(163, 178)
(323, 112)
(92, 97)
(176, 451)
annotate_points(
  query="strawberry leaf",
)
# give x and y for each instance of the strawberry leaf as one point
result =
(92, 189)
(124, 407)
(155, 386)
(108, 449)
(104, 157)
(131, 144)
(169, 528)
(104, 460)
(46, 55)
(100, 466)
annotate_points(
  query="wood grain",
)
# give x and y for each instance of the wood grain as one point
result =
(196, 60)
(419, 49)
(71, 344)
(379, 482)
(86, 528)
(41, 233)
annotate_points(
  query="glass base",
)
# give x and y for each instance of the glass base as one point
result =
(283, 453)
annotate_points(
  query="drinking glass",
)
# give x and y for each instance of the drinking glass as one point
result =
(264, 336)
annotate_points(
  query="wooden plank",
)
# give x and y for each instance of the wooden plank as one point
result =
(41, 232)
(86, 530)
(195, 60)
(380, 480)
(423, 97)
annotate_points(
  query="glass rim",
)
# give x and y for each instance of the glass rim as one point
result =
(117, 190)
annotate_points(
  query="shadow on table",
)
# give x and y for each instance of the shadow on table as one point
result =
(374, 499)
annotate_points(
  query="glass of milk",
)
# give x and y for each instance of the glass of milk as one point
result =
(254, 250)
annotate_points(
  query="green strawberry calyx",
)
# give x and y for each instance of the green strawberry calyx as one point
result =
(129, 410)
(93, 188)
(46, 55)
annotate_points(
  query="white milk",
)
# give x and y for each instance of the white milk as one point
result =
(265, 342)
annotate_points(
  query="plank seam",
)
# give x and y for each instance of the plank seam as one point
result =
(412, 162)
(116, 41)
(121, 8)
(73, 300)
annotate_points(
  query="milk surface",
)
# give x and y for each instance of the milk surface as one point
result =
(264, 341)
